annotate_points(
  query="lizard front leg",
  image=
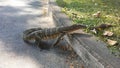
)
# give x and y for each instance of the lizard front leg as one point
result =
(58, 40)
(42, 44)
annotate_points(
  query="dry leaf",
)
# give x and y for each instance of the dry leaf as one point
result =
(111, 42)
(94, 31)
(71, 65)
(108, 33)
(97, 15)
(45, 11)
(82, 66)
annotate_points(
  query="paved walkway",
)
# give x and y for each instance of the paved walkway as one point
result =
(15, 17)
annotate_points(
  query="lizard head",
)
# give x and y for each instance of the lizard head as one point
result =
(29, 39)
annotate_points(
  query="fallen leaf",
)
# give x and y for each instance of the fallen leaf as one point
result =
(96, 4)
(97, 15)
(94, 31)
(71, 65)
(82, 66)
(108, 33)
(111, 42)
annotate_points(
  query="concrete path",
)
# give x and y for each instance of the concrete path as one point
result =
(15, 17)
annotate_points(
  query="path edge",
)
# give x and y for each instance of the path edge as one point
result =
(93, 58)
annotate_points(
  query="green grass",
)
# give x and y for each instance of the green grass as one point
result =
(110, 13)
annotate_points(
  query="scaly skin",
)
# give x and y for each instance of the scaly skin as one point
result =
(38, 34)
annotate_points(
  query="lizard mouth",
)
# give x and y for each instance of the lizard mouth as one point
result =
(30, 40)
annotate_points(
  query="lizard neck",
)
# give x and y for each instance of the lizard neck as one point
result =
(72, 28)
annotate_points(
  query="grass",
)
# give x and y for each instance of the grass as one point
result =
(84, 10)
